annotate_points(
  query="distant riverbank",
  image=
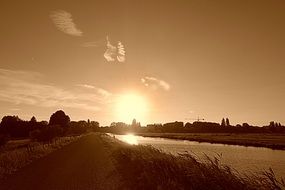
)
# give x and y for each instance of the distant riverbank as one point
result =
(273, 141)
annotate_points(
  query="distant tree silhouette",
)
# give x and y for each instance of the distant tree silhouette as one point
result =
(272, 124)
(173, 127)
(227, 122)
(59, 118)
(33, 120)
(14, 126)
(223, 124)
(135, 124)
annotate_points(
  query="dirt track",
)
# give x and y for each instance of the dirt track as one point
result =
(84, 164)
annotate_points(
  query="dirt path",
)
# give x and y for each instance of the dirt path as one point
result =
(84, 164)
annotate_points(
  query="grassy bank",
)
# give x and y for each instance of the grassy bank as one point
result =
(19, 153)
(144, 167)
(99, 161)
(273, 141)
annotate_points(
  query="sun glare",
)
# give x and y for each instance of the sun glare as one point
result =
(130, 139)
(131, 106)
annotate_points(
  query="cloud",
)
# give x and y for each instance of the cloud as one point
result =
(64, 22)
(15, 109)
(155, 83)
(86, 86)
(98, 90)
(114, 53)
(24, 87)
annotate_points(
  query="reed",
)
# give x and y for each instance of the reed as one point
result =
(144, 167)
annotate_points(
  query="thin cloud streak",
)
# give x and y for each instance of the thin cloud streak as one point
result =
(154, 83)
(98, 90)
(24, 87)
(64, 22)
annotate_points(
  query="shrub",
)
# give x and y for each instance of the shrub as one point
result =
(3, 139)
(47, 133)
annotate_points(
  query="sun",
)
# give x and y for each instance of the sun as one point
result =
(131, 106)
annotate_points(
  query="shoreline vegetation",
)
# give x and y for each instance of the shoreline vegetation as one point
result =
(144, 167)
(103, 162)
(267, 140)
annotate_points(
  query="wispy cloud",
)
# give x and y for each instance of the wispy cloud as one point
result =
(86, 86)
(15, 109)
(24, 87)
(155, 83)
(64, 22)
(114, 53)
(98, 90)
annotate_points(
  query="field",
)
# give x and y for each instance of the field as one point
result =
(18, 153)
(98, 161)
(273, 141)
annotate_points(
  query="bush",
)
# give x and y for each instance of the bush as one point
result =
(34, 134)
(3, 139)
(47, 133)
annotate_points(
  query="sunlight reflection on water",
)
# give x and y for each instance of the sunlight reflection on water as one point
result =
(130, 139)
(245, 159)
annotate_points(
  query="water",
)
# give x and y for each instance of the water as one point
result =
(243, 159)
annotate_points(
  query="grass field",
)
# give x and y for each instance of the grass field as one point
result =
(18, 153)
(273, 141)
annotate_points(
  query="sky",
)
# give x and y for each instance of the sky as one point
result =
(182, 59)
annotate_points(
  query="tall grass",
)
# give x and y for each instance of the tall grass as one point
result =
(13, 159)
(144, 167)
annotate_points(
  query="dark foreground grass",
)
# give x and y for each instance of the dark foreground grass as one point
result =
(18, 154)
(144, 167)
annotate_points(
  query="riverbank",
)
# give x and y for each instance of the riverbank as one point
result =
(273, 141)
(99, 161)
(144, 167)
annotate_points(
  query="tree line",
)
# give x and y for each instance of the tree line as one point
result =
(12, 127)
(195, 127)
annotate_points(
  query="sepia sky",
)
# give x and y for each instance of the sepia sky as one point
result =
(206, 58)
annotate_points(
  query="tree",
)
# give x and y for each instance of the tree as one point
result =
(10, 125)
(272, 124)
(223, 124)
(59, 118)
(14, 126)
(33, 120)
(227, 122)
(134, 123)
